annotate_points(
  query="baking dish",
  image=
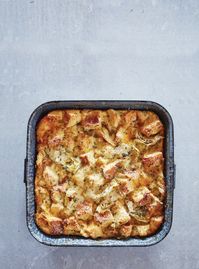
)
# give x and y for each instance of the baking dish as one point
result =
(30, 171)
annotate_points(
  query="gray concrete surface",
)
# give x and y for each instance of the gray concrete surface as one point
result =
(99, 49)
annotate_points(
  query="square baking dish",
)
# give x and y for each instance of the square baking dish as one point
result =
(29, 172)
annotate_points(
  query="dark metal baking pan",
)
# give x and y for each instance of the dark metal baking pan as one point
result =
(29, 172)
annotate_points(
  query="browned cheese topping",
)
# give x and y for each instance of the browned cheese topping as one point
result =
(99, 173)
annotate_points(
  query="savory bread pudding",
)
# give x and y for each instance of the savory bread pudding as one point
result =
(99, 173)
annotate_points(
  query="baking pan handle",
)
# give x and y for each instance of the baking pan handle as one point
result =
(174, 177)
(25, 165)
(172, 174)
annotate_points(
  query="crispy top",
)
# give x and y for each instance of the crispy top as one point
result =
(99, 173)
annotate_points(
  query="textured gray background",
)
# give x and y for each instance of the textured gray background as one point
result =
(99, 49)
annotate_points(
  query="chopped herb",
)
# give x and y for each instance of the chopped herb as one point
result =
(125, 154)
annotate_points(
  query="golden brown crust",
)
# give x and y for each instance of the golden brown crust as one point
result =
(99, 174)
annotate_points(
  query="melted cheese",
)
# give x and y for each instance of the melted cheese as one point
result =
(90, 157)
(51, 175)
(96, 179)
(80, 176)
(121, 215)
(73, 165)
(59, 156)
(143, 229)
(139, 194)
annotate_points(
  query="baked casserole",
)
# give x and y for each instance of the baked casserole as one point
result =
(100, 173)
